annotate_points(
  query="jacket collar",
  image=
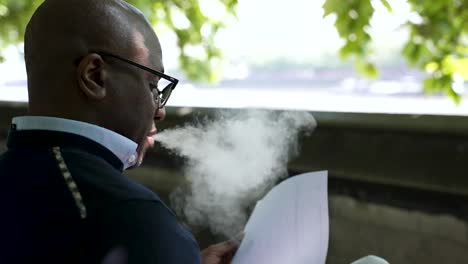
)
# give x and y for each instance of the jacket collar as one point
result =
(121, 147)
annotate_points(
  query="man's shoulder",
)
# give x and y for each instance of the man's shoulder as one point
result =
(31, 165)
(101, 183)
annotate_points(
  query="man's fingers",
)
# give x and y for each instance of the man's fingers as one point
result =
(226, 246)
(223, 248)
(222, 252)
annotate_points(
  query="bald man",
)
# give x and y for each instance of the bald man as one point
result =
(96, 90)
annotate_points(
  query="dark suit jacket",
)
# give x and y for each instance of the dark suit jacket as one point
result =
(49, 217)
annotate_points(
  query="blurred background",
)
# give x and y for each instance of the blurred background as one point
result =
(385, 80)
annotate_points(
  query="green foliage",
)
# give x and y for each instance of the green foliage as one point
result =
(14, 15)
(437, 44)
(200, 32)
(352, 24)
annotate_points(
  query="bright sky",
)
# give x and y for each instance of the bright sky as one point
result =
(295, 29)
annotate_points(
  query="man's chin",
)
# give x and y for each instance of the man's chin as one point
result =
(147, 144)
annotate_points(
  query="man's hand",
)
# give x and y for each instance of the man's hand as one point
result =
(221, 253)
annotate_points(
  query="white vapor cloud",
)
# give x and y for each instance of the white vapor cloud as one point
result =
(231, 161)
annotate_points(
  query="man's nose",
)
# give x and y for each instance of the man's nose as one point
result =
(160, 114)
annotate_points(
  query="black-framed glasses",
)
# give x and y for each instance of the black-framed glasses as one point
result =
(167, 82)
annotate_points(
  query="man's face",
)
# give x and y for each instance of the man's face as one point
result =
(134, 109)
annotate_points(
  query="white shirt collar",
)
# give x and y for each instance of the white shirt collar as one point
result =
(122, 147)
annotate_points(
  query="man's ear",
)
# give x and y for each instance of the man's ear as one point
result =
(91, 76)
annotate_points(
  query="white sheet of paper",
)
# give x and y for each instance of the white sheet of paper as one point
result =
(289, 225)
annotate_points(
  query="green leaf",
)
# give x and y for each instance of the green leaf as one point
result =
(431, 67)
(387, 5)
(448, 65)
(348, 49)
(461, 68)
(429, 85)
(452, 94)
(367, 69)
(331, 6)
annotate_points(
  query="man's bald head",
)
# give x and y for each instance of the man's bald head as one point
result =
(70, 76)
(62, 31)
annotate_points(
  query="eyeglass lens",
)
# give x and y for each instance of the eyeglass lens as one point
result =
(163, 93)
(166, 93)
